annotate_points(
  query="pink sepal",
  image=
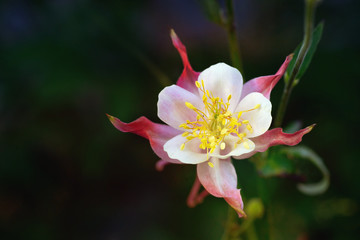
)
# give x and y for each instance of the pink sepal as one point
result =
(160, 165)
(265, 84)
(195, 197)
(188, 76)
(276, 137)
(157, 134)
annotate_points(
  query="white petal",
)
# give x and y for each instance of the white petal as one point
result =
(243, 147)
(171, 106)
(223, 80)
(260, 118)
(191, 154)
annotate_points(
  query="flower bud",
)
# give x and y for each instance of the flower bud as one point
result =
(255, 208)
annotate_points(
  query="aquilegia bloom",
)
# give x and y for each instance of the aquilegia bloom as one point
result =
(211, 116)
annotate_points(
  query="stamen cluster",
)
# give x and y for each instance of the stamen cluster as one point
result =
(215, 122)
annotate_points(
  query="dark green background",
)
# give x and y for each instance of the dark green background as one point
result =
(67, 173)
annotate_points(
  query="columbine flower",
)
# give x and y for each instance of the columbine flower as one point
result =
(211, 116)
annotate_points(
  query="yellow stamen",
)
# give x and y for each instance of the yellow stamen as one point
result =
(248, 127)
(189, 105)
(185, 134)
(182, 146)
(222, 146)
(242, 135)
(227, 114)
(211, 164)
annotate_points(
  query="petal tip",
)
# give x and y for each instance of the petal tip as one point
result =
(172, 33)
(111, 118)
(290, 56)
(175, 39)
(240, 212)
(309, 128)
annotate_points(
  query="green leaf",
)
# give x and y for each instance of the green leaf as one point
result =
(306, 153)
(316, 36)
(289, 162)
(273, 163)
(212, 10)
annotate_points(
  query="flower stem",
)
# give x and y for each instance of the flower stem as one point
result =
(310, 6)
(231, 225)
(235, 231)
(234, 48)
(251, 233)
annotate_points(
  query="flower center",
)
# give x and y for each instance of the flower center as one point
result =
(215, 122)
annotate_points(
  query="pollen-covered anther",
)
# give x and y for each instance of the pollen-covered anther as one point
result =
(227, 114)
(211, 139)
(248, 127)
(189, 105)
(185, 134)
(222, 146)
(241, 135)
(246, 145)
(182, 146)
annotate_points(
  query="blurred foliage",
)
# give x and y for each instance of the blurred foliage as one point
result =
(212, 10)
(66, 173)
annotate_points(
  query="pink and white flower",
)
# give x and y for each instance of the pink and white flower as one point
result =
(210, 117)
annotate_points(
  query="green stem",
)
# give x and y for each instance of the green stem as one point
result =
(263, 191)
(234, 231)
(231, 224)
(310, 6)
(232, 37)
(270, 223)
(246, 225)
(251, 233)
